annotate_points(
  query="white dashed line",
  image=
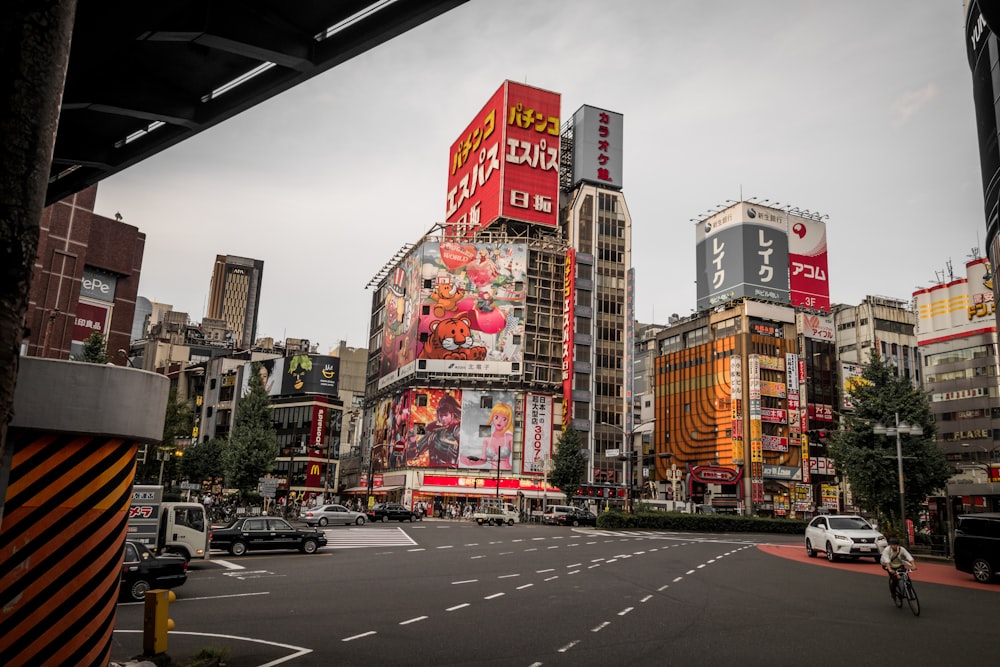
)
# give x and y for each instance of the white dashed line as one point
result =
(524, 586)
(531, 549)
(676, 579)
(420, 549)
(494, 596)
(646, 599)
(575, 565)
(447, 546)
(625, 611)
(701, 566)
(601, 626)
(507, 576)
(458, 606)
(569, 646)
(475, 557)
(551, 578)
(464, 581)
(663, 588)
(363, 634)
(689, 572)
(551, 569)
(413, 620)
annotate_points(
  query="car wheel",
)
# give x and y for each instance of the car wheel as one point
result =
(576, 522)
(309, 547)
(830, 556)
(360, 521)
(409, 518)
(510, 522)
(809, 549)
(322, 521)
(237, 548)
(982, 571)
(138, 590)
(385, 518)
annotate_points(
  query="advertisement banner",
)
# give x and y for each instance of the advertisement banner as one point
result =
(538, 424)
(807, 276)
(569, 316)
(775, 389)
(487, 431)
(597, 147)
(774, 443)
(817, 327)
(436, 415)
(773, 416)
(506, 162)
(90, 318)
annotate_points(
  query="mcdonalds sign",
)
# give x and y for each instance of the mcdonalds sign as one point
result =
(506, 162)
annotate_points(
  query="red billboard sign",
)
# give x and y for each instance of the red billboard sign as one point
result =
(90, 318)
(506, 162)
(807, 275)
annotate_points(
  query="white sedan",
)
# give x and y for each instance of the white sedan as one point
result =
(325, 514)
(843, 535)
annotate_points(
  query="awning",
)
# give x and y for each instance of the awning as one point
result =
(375, 489)
(459, 490)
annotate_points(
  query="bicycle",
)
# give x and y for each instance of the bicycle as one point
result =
(905, 589)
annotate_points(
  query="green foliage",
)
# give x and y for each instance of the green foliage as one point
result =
(252, 446)
(699, 523)
(869, 461)
(95, 349)
(202, 461)
(570, 464)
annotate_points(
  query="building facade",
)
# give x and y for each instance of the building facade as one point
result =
(85, 280)
(234, 295)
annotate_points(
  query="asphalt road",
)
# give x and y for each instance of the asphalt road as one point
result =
(453, 593)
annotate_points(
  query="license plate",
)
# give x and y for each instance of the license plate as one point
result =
(866, 548)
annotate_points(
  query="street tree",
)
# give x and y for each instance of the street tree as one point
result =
(569, 464)
(869, 461)
(95, 349)
(178, 422)
(252, 446)
(202, 461)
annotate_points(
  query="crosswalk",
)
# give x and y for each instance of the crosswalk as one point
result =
(361, 538)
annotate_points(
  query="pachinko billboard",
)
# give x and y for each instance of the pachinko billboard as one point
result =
(506, 162)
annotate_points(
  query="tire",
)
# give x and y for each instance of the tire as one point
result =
(309, 546)
(409, 519)
(576, 523)
(911, 599)
(982, 570)
(138, 590)
(385, 518)
(360, 521)
(322, 521)
(237, 548)
(830, 556)
(510, 522)
(809, 549)
(491, 522)
(899, 597)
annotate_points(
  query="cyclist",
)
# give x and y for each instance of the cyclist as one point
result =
(895, 557)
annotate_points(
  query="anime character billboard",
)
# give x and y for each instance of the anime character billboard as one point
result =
(487, 430)
(472, 306)
(436, 415)
(399, 337)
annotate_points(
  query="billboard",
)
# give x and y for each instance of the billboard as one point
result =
(90, 318)
(506, 162)
(807, 276)
(402, 310)
(434, 441)
(538, 424)
(487, 430)
(597, 147)
(298, 374)
(742, 252)
(959, 308)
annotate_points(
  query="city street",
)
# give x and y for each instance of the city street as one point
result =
(454, 593)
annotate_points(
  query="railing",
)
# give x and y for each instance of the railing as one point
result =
(930, 545)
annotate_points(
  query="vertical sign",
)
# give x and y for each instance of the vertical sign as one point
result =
(569, 287)
(597, 147)
(538, 432)
(736, 400)
(807, 263)
(629, 345)
(756, 430)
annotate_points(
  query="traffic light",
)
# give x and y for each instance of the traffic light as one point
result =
(155, 622)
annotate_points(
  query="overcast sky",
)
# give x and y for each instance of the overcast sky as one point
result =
(859, 110)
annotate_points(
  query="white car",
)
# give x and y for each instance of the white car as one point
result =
(324, 514)
(843, 535)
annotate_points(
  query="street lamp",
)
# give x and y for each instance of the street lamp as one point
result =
(476, 459)
(627, 455)
(898, 431)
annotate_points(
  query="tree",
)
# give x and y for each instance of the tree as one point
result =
(869, 461)
(203, 461)
(252, 446)
(570, 464)
(95, 349)
(178, 422)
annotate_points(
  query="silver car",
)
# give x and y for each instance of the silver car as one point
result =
(326, 514)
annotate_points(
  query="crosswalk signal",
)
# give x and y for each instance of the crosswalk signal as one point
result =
(156, 623)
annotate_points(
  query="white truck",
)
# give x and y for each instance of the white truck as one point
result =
(168, 527)
(492, 512)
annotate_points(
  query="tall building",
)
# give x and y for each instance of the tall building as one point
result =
(883, 324)
(234, 295)
(85, 280)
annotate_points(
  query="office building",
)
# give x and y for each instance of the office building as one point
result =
(234, 296)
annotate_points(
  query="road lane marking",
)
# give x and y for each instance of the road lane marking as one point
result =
(524, 586)
(601, 626)
(573, 572)
(507, 576)
(505, 553)
(363, 634)
(414, 620)
(625, 611)
(551, 578)
(471, 544)
(663, 588)
(551, 569)
(569, 646)
(228, 565)
(494, 596)
(464, 581)
(701, 566)
(646, 599)
(575, 565)
(531, 549)
(554, 546)
(458, 606)
(591, 567)
(679, 578)
(447, 546)
(475, 557)
(689, 572)
(596, 560)
(217, 597)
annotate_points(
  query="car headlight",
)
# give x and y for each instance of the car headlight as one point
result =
(842, 538)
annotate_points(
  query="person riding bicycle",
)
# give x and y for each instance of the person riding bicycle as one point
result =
(894, 558)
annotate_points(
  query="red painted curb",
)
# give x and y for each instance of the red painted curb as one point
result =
(934, 573)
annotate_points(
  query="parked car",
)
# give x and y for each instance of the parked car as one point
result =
(391, 511)
(843, 535)
(326, 514)
(977, 545)
(143, 570)
(577, 517)
(552, 512)
(265, 532)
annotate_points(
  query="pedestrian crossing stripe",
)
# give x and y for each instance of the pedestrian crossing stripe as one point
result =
(361, 538)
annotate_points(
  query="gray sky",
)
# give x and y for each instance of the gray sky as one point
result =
(858, 109)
